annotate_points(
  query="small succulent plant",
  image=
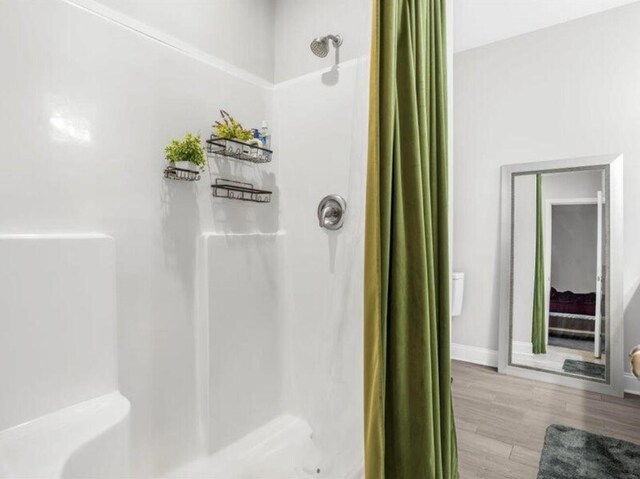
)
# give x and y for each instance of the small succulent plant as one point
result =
(231, 128)
(188, 149)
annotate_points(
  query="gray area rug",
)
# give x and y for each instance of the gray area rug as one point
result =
(584, 368)
(574, 454)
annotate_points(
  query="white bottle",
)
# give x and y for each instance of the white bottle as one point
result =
(265, 135)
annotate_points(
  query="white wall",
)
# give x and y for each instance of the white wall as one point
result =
(96, 93)
(240, 32)
(567, 91)
(575, 244)
(93, 102)
(246, 333)
(88, 108)
(58, 328)
(481, 22)
(321, 113)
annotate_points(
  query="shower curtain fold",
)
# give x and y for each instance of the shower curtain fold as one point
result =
(409, 427)
(538, 333)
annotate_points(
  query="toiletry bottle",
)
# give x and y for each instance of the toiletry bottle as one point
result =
(265, 135)
(256, 133)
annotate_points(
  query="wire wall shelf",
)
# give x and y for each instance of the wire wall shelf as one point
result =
(238, 150)
(174, 173)
(238, 190)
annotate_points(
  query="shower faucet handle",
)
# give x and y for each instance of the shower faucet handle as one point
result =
(331, 212)
(329, 215)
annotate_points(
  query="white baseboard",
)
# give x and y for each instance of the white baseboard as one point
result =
(489, 357)
(475, 355)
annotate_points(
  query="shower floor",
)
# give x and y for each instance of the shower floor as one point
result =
(277, 449)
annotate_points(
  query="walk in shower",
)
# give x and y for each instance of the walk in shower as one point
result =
(229, 340)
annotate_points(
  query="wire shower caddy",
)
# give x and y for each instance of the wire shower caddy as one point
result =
(175, 173)
(239, 190)
(222, 187)
(237, 150)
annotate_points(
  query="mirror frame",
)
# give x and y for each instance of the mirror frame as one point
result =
(613, 167)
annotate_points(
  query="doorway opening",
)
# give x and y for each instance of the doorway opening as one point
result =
(573, 257)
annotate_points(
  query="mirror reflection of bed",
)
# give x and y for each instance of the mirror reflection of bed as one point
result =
(559, 219)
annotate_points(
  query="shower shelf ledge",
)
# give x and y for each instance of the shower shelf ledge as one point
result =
(237, 150)
(237, 190)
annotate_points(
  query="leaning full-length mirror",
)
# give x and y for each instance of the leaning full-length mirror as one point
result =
(561, 322)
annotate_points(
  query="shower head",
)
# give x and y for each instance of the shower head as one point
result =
(320, 45)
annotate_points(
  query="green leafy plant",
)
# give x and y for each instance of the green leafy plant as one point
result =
(231, 128)
(188, 149)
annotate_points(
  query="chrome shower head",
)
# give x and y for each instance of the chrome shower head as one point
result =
(320, 45)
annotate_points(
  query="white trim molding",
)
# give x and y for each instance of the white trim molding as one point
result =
(475, 355)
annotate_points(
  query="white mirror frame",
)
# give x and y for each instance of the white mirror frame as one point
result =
(615, 354)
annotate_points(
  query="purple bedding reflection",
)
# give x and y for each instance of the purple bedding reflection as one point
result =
(572, 303)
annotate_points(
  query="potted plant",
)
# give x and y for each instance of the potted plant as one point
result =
(186, 153)
(231, 129)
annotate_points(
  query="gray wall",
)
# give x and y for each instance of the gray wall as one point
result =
(567, 91)
(574, 246)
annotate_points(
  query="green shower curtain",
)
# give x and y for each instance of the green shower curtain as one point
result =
(409, 427)
(538, 339)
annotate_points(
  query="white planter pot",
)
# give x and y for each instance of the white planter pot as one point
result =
(185, 165)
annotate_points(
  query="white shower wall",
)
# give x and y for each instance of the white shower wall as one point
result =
(240, 32)
(94, 91)
(297, 22)
(245, 328)
(322, 122)
(88, 107)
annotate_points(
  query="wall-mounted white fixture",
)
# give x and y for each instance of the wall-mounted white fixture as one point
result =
(457, 293)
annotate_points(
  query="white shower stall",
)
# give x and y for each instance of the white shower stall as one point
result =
(148, 329)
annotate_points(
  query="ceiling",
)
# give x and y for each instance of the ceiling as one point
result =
(479, 22)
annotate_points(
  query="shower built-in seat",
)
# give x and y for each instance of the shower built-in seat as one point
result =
(89, 439)
(61, 415)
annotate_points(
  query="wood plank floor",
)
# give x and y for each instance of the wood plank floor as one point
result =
(501, 420)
